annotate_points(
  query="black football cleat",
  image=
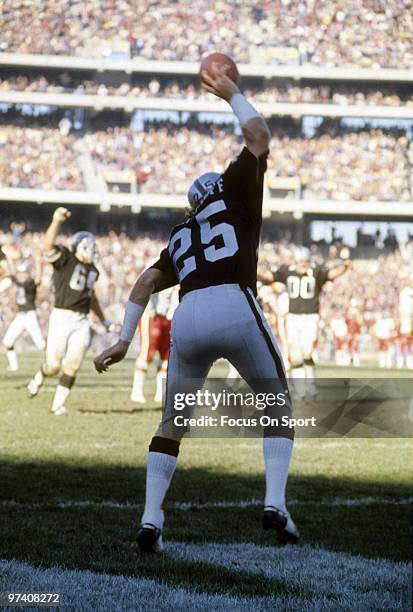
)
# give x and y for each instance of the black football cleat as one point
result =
(282, 524)
(149, 539)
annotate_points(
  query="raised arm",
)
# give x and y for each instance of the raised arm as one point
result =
(150, 281)
(11, 266)
(339, 270)
(265, 276)
(59, 216)
(254, 127)
(38, 267)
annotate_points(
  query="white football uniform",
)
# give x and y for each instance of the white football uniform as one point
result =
(406, 310)
(302, 332)
(69, 332)
(25, 321)
(68, 338)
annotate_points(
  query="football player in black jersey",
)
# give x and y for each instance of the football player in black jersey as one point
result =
(26, 318)
(213, 257)
(68, 338)
(304, 282)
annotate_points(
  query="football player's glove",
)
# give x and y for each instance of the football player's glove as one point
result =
(112, 355)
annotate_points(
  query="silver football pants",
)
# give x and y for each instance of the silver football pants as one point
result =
(222, 321)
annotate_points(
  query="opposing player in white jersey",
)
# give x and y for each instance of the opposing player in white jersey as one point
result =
(385, 332)
(304, 282)
(26, 318)
(68, 338)
(339, 328)
(406, 307)
(213, 256)
(155, 334)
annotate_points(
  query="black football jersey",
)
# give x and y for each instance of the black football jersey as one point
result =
(73, 280)
(219, 244)
(25, 295)
(303, 288)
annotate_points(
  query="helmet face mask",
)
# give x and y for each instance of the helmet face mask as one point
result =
(84, 247)
(201, 188)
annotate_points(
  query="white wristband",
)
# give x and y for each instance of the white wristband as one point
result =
(133, 313)
(243, 109)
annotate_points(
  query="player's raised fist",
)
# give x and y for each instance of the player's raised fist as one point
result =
(61, 214)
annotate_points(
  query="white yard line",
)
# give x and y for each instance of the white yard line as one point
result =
(246, 503)
(306, 578)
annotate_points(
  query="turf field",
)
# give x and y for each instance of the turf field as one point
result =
(72, 490)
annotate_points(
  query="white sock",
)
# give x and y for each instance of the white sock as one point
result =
(12, 359)
(138, 382)
(39, 378)
(61, 395)
(160, 377)
(160, 470)
(309, 371)
(277, 456)
(298, 374)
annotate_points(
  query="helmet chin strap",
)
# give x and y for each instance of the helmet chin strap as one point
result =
(189, 212)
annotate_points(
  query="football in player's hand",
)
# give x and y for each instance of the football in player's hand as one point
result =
(219, 60)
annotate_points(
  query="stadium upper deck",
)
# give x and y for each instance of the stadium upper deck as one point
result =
(330, 60)
(355, 33)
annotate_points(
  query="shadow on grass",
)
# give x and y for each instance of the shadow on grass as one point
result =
(96, 537)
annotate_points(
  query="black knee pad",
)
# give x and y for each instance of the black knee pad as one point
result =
(309, 362)
(164, 445)
(9, 348)
(67, 381)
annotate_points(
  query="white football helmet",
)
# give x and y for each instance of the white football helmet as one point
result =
(84, 246)
(201, 187)
(302, 255)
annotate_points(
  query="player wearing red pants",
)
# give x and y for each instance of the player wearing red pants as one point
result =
(354, 321)
(155, 329)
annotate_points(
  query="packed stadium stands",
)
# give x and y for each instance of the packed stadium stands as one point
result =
(357, 165)
(38, 158)
(369, 34)
(110, 133)
(286, 91)
(351, 154)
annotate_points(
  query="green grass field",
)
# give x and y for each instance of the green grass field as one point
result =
(72, 491)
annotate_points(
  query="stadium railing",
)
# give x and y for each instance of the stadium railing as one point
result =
(268, 109)
(305, 71)
(138, 201)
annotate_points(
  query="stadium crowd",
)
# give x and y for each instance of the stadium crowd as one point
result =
(38, 157)
(366, 33)
(342, 95)
(335, 164)
(121, 259)
(366, 165)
